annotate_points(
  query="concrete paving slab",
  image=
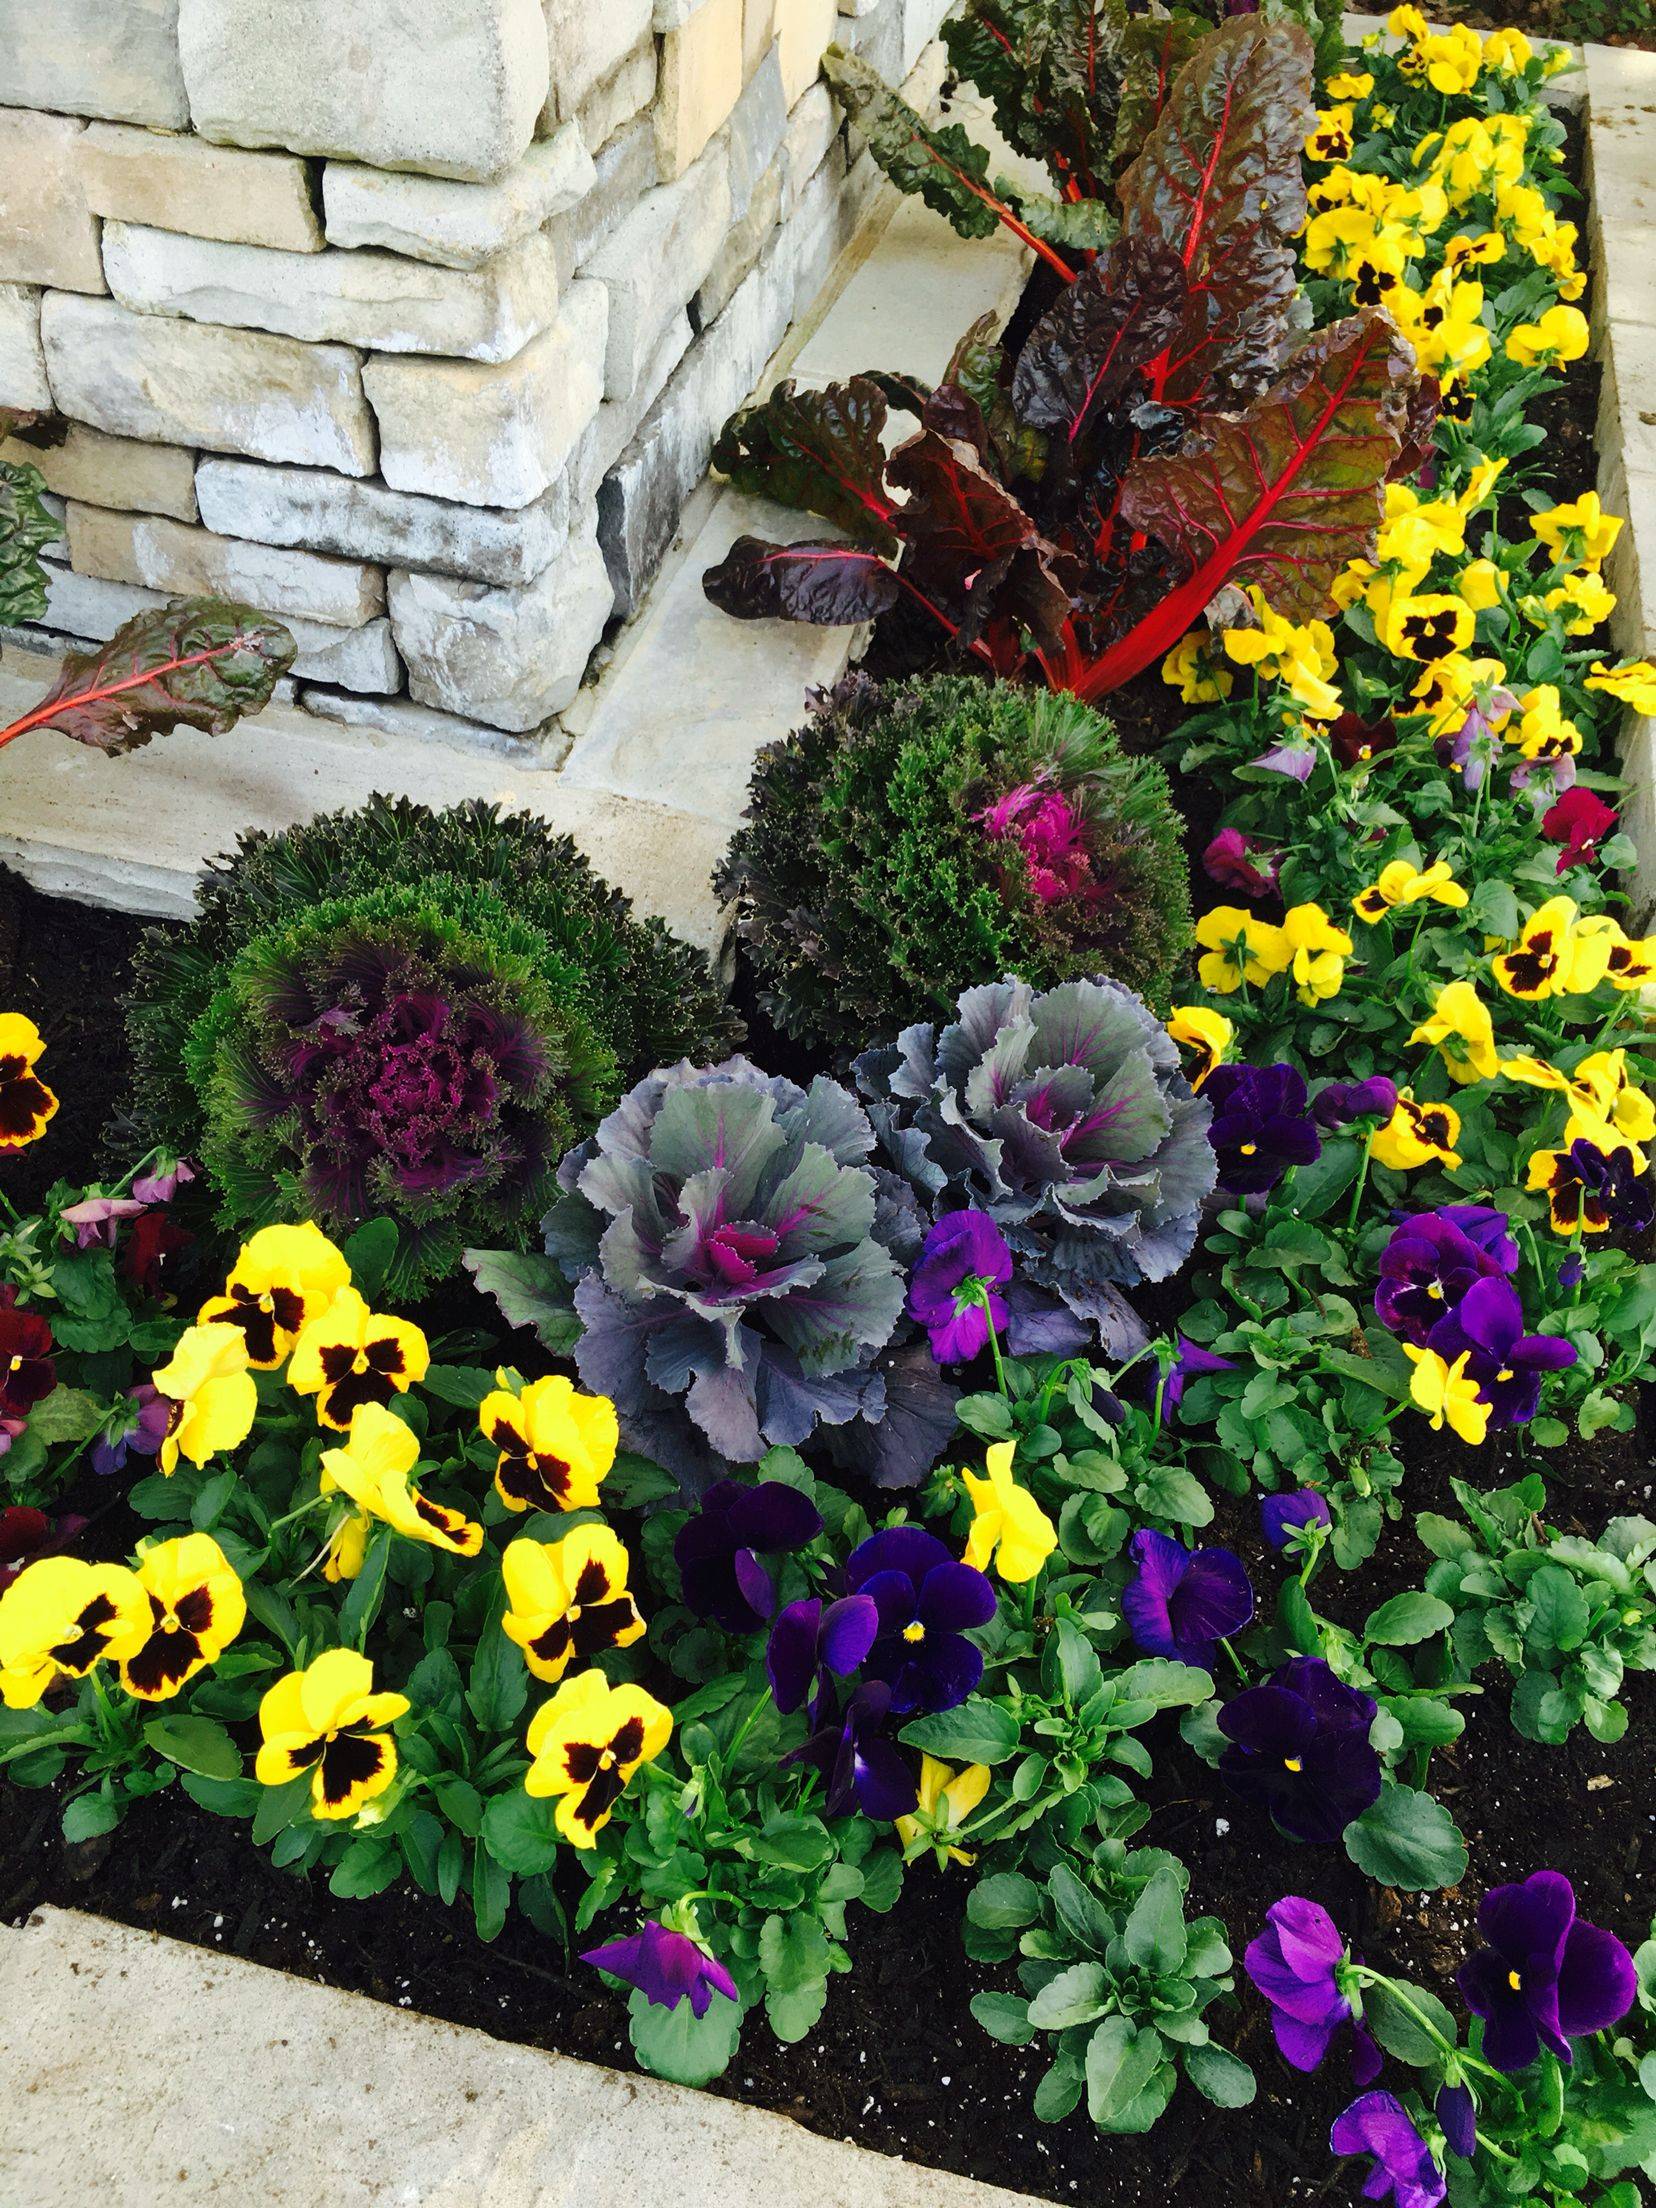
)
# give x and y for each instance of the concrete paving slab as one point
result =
(135, 2070)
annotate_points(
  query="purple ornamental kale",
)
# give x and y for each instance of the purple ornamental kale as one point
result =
(738, 1271)
(1282, 1516)
(1294, 1963)
(1300, 1745)
(964, 1253)
(1063, 1114)
(720, 1551)
(1261, 1126)
(812, 1640)
(1546, 1977)
(1183, 1603)
(863, 1770)
(1507, 1365)
(1432, 1260)
(1404, 2170)
(927, 1602)
(666, 1967)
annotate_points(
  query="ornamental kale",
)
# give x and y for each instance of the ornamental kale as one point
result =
(738, 1272)
(1066, 512)
(906, 841)
(1064, 1116)
(404, 1013)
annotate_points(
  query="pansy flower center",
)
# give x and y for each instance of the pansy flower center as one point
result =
(914, 1631)
(1292, 1763)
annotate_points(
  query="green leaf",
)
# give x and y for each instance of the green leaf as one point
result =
(1121, 2061)
(1408, 1840)
(1407, 1619)
(367, 1867)
(1219, 2076)
(89, 1816)
(198, 662)
(464, 1386)
(1004, 1902)
(1004, 2016)
(520, 1834)
(531, 1291)
(27, 526)
(491, 1894)
(1154, 1935)
(793, 1952)
(67, 1414)
(1561, 1614)
(979, 1731)
(792, 2015)
(371, 1251)
(1076, 1996)
(280, 1807)
(195, 1744)
(1400, 2033)
(677, 2045)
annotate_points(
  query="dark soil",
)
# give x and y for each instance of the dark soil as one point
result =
(1605, 22)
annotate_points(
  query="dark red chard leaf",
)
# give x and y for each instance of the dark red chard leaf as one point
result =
(819, 451)
(1099, 332)
(197, 663)
(1154, 48)
(1220, 184)
(1016, 597)
(830, 584)
(1282, 497)
(974, 404)
(1051, 70)
(1417, 446)
(958, 522)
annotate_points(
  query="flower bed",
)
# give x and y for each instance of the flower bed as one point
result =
(1146, 1492)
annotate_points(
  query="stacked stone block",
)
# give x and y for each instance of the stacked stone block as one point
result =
(412, 321)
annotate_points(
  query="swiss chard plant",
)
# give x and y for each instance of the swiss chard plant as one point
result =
(1167, 428)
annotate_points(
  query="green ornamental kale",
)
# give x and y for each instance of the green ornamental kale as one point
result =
(906, 842)
(405, 1014)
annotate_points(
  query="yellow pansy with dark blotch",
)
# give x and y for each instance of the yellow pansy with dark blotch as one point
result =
(26, 1103)
(196, 1610)
(1590, 1187)
(1204, 1035)
(329, 1721)
(59, 1617)
(283, 1278)
(348, 1356)
(586, 1743)
(556, 1445)
(1429, 627)
(375, 1469)
(568, 1599)
(1417, 1134)
(1554, 956)
(212, 1396)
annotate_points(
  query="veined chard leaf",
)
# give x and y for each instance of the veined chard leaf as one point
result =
(1051, 70)
(1117, 315)
(26, 528)
(832, 584)
(1220, 183)
(1154, 49)
(974, 404)
(199, 662)
(1283, 496)
(819, 451)
(958, 520)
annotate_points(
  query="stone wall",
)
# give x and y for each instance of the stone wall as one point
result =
(410, 321)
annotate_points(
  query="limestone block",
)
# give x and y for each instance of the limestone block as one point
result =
(588, 43)
(922, 20)
(758, 124)
(183, 183)
(47, 232)
(625, 93)
(744, 242)
(701, 78)
(362, 659)
(876, 37)
(448, 87)
(618, 421)
(493, 436)
(85, 57)
(405, 722)
(808, 28)
(759, 21)
(183, 383)
(512, 658)
(114, 471)
(23, 381)
(431, 218)
(157, 554)
(652, 263)
(622, 173)
(376, 300)
(308, 509)
(813, 125)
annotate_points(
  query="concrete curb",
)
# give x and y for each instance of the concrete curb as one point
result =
(136, 2070)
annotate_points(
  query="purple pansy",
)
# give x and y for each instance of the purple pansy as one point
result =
(1338, 1103)
(1429, 1264)
(1260, 1125)
(964, 1253)
(1293, 1964)
(1457, 2112)
(1404, 2170)
(1546, 1977)
(1293, 759)
(927, 1602)
(666, 1967)
(863, 1770)
(720, 1550)
(164, 1180)
(1487, 1328)
(96, 1220)
(1281, 1516)
(141, 1430)
(1182, 1602)
(1300, 1745)
(1190, 1361)
(1612, 1187)
(1233, 860)
(812, 1639)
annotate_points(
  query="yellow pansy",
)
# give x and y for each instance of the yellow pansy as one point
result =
(1238, 948)
(1428, 627)
(1300, 655)
(1317, 953)
(1560, 335)
(1633, 683)
(568, 1599)
(59, 1617)
(1630, 962)
(1554, 955)
(1008, 1524)
(26, 1103)
(1479, 585)
(556, 1445)
(374, 1467)
(196, 1610)
(947, 1800)
(1417, 1134)
(1578, 533)
(1447, 1393)
(348, 1356)
(1453, 59)
(1475, 249)
(212, 1393)
(329, 1721)
(1507, 50)
(283, 1277)
(1544, 730)
(586, 1743)
(1204, 1035)
(1350, 84)
(1600, 1089)
(1191, 670)
(1333, 138)
(1402, 883)
(1461, 1029)
(1586, 601)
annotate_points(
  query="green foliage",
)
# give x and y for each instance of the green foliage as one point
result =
(870, 891)
(26, 528)
(491, 916)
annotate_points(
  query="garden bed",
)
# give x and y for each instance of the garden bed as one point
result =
(897, 2056)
